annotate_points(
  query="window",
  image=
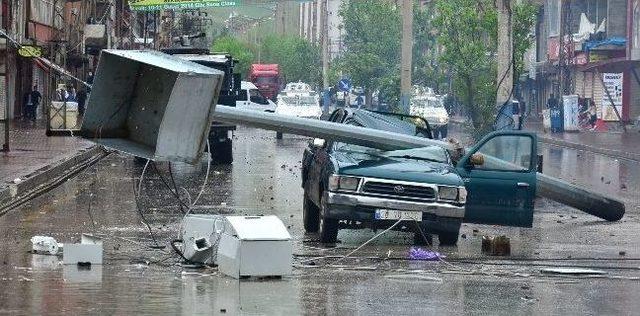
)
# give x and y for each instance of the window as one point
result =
(256, 97)
(242, 95)
(515, 150)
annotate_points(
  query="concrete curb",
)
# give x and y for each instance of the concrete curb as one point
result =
(542, 138)
(48, 177)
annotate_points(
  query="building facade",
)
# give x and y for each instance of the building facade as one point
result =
(310, 15)
(581, 47)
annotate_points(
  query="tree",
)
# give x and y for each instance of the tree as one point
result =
(236, 48)
(299, 59)
(427, 70)
(372, 40)
(467, 33)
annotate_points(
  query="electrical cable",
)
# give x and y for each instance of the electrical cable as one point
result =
(206, 177)
(174, 192)
(368, 241)
(138, 209)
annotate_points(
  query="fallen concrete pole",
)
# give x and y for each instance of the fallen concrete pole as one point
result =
(560, 191)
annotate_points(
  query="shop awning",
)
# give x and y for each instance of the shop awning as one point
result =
(614, 65)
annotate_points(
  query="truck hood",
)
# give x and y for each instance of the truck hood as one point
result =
(402, 169)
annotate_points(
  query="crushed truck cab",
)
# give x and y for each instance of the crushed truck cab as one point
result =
(351, 186)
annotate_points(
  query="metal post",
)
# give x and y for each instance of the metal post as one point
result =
(407, 54)
(6, 147)
(325, 44)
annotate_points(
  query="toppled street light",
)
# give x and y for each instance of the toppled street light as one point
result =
(160, 135)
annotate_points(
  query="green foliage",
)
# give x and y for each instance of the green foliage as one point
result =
(372, 39)
(468, 35)
(299, 59)
(524, 17)
(427, 70)
(238, 49)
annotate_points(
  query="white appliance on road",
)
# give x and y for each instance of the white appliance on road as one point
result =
(250, 98)
(254, 246)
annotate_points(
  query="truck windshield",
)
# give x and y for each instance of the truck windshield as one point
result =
(429, 153)
(266, 80)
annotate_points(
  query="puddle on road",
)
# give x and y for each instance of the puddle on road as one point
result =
(100, 201)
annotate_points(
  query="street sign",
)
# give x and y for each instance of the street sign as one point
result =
(29, 51)
(155, 5)
(344, 84)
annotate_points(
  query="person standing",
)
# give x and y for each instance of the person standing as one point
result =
(359, 101)
(35, 98)
(552, 102)
(81, 98)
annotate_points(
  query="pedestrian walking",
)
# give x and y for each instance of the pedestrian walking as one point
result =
(33, 103)
(359, 101)
(552, 102)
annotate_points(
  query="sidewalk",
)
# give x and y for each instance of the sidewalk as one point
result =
(36, 160)
(614, 144)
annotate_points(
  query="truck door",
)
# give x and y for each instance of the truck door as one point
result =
(242, 102)
(500, 177)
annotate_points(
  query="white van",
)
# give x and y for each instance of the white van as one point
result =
(251, 99)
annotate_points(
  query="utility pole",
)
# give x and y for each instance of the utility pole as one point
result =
(504, 53)
(407, 54)
(325, 43)
(7, 47)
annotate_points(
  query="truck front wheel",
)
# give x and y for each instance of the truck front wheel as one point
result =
(328, 226)
(310, 216)
(448, 239)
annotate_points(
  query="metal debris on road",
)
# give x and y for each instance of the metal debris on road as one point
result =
(496, 246)
(88, 251)
(572, 271)
(45, 245)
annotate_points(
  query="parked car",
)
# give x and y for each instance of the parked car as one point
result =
(298, 99)
(351, 186)
(431, 108)
(249, 97)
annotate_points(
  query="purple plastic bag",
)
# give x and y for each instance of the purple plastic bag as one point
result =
(424, 254)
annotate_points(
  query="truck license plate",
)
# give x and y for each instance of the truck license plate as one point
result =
(396, 215)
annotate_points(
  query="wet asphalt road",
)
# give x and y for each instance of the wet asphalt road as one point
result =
(379, 279)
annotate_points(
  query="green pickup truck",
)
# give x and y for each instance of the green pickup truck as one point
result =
(350, 186)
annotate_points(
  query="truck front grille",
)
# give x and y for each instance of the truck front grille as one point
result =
(399, 190)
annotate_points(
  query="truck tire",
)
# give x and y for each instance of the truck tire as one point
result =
(310, 216)
(448, 239)
(221, 152)
(328, 226)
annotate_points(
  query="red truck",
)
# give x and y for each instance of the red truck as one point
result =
(267, 78)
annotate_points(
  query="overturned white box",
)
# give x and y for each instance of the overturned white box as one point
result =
(88, 251)
(151, 105)
(254, 246)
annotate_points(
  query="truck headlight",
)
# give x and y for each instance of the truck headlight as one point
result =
(343, 183)
(448, 193)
